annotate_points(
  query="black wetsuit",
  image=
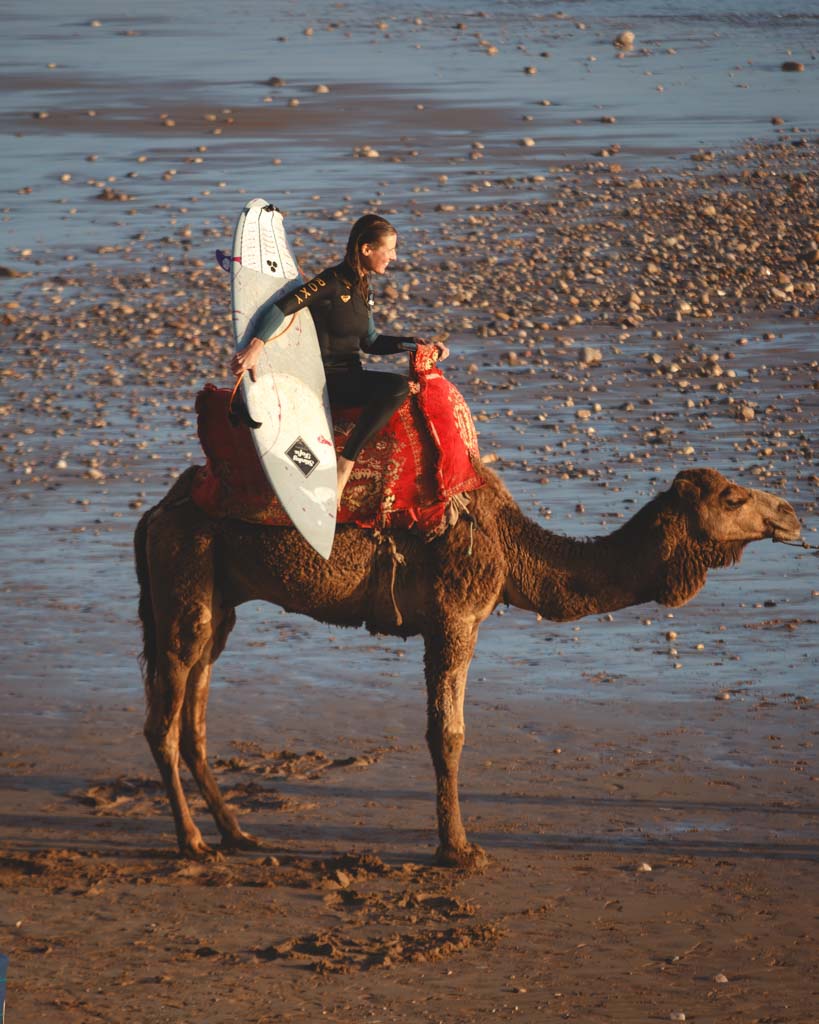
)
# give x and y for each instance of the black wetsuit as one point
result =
(344, 326)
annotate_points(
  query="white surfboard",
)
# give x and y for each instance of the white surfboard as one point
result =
(289, 396)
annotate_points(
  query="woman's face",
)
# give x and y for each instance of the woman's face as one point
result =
(377, 257)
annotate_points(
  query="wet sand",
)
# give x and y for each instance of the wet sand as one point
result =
(612, 322)
(344, 918)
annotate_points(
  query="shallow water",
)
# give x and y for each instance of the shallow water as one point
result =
(67, 568)
(700, 75)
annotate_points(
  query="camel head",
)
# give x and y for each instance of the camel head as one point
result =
(725, 513)
(705, 522)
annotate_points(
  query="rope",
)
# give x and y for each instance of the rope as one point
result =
(797, 544)
(397, 559)
(460, 502)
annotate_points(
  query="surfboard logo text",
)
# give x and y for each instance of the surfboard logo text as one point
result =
(301, 456)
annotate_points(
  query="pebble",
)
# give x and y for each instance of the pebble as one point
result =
(644, 867)
(591, 356)
(587, 252)
(792, 65)
(624, 40)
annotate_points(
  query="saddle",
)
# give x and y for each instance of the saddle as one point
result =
(412, 474)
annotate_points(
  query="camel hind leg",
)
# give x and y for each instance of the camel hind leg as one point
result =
(193, 739)
(166, 692)
(182, 627)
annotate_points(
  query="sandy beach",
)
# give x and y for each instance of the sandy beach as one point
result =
(620, 304)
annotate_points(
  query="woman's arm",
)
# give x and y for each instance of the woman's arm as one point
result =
(386, 344)
(303, 297)
(269, 322)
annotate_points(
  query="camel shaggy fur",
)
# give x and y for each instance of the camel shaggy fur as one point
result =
(194, 571)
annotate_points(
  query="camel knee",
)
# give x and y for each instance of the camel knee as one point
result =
(183, 641)
(445, 743)
(163, 739)
(193, 751)
(192, 634)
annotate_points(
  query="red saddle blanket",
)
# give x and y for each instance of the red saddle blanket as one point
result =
(404, 476)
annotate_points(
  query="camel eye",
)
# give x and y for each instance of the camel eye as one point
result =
(733, 501)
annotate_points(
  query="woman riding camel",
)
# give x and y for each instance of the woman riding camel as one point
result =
(340, 301)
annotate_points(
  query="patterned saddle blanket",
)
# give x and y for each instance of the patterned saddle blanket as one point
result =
(405, 476)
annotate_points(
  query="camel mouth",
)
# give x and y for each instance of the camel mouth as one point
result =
(785, 534)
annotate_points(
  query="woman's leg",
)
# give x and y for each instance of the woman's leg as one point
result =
(344, 469)
(380, 394)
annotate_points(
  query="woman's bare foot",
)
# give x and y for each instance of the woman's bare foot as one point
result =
(344, 468)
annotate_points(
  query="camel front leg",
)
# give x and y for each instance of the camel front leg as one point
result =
(447, 659)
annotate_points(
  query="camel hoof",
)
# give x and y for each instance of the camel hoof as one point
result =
(241, 841)
(470, 858)
(199, 850)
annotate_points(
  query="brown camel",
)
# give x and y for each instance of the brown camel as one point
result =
(194, 570)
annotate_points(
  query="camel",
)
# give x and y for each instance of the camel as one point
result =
(194, 571)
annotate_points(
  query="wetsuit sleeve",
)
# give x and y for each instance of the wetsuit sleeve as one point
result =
(271, 319)
(268, 323)
(385, 344)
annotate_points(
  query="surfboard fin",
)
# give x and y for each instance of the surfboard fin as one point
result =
(223, 260)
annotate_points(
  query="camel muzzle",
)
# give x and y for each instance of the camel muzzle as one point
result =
(787, 527)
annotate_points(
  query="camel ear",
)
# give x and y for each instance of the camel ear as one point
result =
(685, 490)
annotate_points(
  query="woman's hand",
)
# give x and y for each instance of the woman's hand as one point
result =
(246, 359)
(440, 348)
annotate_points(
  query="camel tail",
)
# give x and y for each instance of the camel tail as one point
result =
(179, 493)
(147, 658)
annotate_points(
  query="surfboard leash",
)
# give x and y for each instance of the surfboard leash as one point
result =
(240, 413)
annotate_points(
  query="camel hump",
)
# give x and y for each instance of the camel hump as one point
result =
(182, 488)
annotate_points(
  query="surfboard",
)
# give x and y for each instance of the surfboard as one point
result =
(289, 396)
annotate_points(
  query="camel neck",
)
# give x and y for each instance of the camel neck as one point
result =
(564, 578)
